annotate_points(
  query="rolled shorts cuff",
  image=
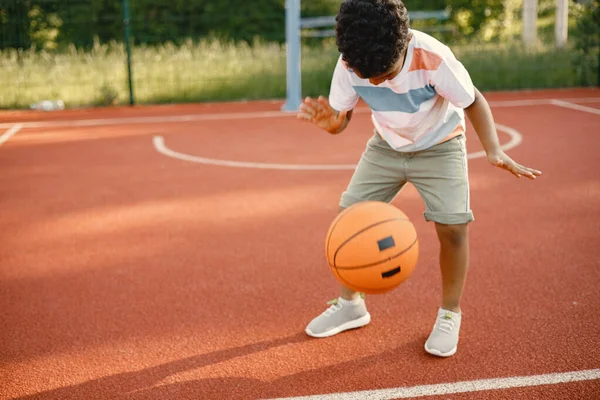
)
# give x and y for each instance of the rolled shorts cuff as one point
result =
(348, 200)
(449, 218)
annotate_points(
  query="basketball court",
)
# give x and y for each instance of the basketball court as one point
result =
(178, 252)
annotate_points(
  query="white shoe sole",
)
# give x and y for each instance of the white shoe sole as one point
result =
(357, 323)
(439, 353)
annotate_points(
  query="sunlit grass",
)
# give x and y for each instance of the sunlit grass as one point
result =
(215, 71)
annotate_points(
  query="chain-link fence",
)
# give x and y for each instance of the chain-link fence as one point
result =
(209, 50)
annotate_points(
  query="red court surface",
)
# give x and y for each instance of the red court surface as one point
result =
(177, 252)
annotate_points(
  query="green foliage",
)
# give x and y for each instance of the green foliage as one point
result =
(86, 20)
(245, 20)
(158, 21)
(25, 23)
(206, 50)
(210, 70)
(470, 16)
(586, 36)
(44, 28)
(14, 24)
(316, 8)
(55, 24)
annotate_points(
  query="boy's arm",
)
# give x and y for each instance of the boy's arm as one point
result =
(320, 113)
(452, 81)
(347, 119)
(480, 115)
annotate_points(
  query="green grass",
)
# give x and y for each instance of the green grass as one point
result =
(511, 66)
(213, 71)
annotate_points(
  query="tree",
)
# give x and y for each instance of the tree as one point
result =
(14, 24)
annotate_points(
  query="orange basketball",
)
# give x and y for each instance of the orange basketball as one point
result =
(372, 247)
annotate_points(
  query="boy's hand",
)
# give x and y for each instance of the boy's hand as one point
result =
(501, 160)
(320, 113)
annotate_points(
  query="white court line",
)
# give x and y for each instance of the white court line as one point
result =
(159, 144)
(150, 120)
(236, 116)
(10, 133)
(582, 100)
(577, 107)
(515, 139)
(539, 102)
(459, 387)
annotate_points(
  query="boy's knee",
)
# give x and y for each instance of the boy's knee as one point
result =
(454, 235)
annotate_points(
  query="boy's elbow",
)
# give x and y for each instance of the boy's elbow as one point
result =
(477, 96)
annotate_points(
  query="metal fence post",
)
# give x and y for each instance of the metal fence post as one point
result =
(293, 49)
(126, 22)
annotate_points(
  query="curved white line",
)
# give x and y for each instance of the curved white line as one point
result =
(10, 133)
(159, 145)
(515, 139)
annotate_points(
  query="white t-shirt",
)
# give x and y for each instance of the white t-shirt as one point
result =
(422, 106)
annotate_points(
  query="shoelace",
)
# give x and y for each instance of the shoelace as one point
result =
(446, 323)
(335, 306)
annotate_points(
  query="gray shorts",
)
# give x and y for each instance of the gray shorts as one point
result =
(439, 173)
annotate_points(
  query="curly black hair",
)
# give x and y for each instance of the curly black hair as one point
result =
(372, 34)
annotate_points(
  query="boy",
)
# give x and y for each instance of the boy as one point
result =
(418, 93)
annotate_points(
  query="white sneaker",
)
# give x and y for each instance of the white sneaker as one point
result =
(443, 340)
(340, 316)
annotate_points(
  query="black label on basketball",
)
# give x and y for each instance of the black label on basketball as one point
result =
(386, 243)
(390, 273)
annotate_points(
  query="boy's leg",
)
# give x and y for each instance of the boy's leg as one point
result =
(454, 262)
(379, 176)
(440, 174)
(346, 293)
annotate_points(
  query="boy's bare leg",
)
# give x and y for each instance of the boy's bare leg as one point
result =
(348, 294)
(454, 263)
(346, 312)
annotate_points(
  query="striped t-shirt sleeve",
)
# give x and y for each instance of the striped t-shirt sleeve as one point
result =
(342, 96)
(452, 81)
